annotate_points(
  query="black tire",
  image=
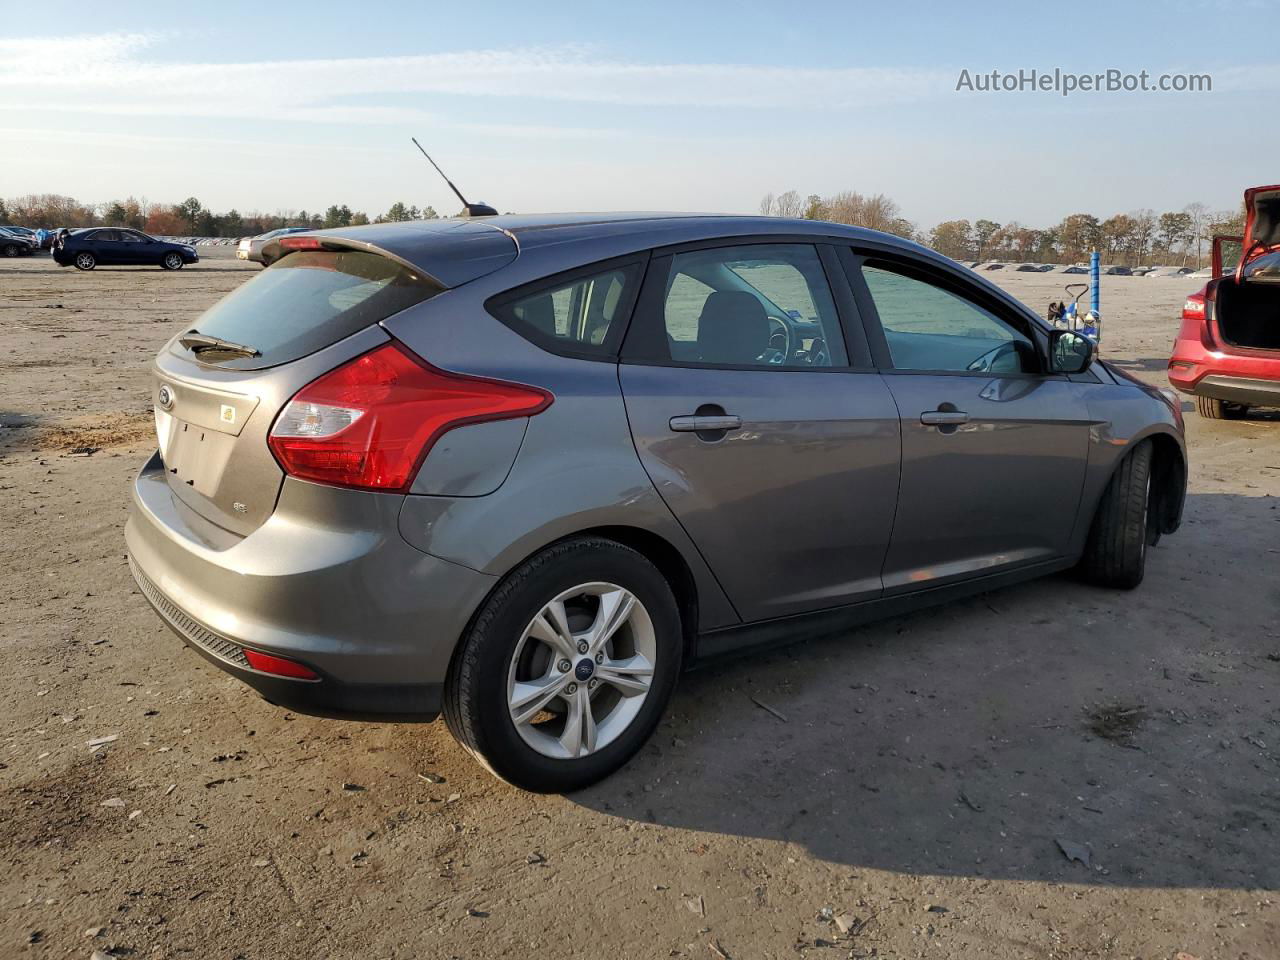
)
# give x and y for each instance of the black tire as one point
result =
(1211, 408)
(85, 261)
(475, 697)
(1116, 553)
(171, 261)
(12, 250)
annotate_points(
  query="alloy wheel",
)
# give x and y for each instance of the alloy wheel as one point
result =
(581, 670)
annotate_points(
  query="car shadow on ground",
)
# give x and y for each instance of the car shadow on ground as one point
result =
(997, 736)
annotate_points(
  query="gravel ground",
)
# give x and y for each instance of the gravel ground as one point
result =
(916, 801)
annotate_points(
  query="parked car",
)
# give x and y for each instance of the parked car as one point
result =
(85, 249)
(15, 244)
(1028, 268)
(523, 469)
(1074, 269)
(994, 266)
(250, 248)
(1117, 271)
(1227, 352)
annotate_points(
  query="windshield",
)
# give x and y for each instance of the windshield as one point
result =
(308, 300)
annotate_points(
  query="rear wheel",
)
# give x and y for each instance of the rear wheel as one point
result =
(85, 261)
(1116, 553)
(11, 250)
(1211, 408)
(171, 261)
(568, 666)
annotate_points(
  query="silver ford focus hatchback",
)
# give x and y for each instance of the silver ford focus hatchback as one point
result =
(523, 470)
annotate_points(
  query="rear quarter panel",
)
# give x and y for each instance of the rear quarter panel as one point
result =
(576, 468)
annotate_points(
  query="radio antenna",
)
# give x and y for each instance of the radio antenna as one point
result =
(468, 209)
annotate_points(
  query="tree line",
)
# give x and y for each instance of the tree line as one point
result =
(188, 218)
(1133, 239)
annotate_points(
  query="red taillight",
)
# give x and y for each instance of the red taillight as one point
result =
(1194, 307)
(279, 666)
(371, 422)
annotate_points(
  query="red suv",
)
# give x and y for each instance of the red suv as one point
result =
(1227, 353)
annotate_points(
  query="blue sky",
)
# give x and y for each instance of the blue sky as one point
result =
(693, 105)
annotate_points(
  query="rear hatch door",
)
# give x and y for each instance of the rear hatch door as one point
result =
(1262, 220)
(219, 384)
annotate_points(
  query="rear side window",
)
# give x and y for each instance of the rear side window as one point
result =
(758, 305)
(580, 315)
(310, 299)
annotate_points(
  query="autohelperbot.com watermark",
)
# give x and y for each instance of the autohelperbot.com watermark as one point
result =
(1065, 83)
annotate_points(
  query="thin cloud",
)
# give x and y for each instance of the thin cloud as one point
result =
(110, 73)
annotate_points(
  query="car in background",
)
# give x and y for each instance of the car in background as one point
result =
(1027, 268)
(250, 248)
(15, 244)
(118, 246)
(994, 266)
(1115, 270)
(1074, 268)
(1169, 272)
(1227, 352)
(427, 466)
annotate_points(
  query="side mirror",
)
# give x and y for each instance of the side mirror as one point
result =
(1070, 352)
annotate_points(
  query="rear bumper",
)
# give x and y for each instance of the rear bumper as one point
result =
(327, 581)
(1250, 378)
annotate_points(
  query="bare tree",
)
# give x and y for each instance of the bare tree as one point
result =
(1199, 215)
(766, 205)
(789, 204)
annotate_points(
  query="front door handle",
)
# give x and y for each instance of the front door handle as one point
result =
(944, 418)
(707, 424)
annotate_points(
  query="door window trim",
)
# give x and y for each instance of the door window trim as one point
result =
(853, 260)
(647, 332)
(608, 349)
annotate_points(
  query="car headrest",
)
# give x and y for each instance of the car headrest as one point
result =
(733, 328)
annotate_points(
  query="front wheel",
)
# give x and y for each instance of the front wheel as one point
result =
(11, 250)
(1116, 554)
(1211, 408)
(85, 261)
(568, 666)
(171, 261)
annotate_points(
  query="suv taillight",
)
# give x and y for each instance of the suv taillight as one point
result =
(371, 422)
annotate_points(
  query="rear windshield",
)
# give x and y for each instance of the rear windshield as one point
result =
(310, 299)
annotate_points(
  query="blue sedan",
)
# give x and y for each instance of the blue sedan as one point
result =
(85, 249)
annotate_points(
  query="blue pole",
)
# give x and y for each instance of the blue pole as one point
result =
(1094, 293)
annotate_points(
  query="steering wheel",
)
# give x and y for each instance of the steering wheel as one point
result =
(986, 363)
(779, 352)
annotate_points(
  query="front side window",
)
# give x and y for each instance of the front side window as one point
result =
(128, 237)
(930, 328)
(765, 305)
(105, 235)
(582, 316)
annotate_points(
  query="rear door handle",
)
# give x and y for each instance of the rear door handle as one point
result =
(697, 424)
(943, 418)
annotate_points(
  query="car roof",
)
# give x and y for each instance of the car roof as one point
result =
(455, 250)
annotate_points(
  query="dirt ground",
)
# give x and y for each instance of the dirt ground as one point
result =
(919, 799)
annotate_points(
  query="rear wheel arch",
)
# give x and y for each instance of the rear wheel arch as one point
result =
(653, 547)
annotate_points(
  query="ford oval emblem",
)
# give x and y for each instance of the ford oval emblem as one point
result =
(164, 397)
